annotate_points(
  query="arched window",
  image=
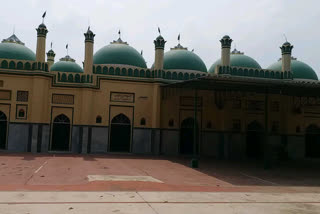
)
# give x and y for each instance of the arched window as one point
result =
(117, 71)
(70, 78)
(21, 113)
(12, 65)
(77, 78)
(4, 64)
(124, 72)
(171, 123)
(142, 73)
(143, 122)
(98, 71)
(27, 66)
(111, 71)
(105, 70)
(98, 119)
(20, 66)
(136, 73)
(148, 74)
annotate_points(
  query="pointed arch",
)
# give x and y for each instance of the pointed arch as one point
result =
(120, 133)
(61, 129)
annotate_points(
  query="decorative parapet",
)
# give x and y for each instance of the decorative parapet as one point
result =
(24, 65)
(135, 72)
(67, 77)
(253, 72)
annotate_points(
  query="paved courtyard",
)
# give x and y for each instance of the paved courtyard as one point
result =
(125, 184)
(146, 173)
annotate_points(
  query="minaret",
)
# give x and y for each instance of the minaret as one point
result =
(50, 57)
(159, 44)
(286, 50)
(88, 52)
(225, 50)
(41, 43)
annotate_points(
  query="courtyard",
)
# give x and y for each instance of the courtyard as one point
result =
(120, 172)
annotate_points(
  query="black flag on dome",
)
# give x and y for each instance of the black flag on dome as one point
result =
(159, 30)
(44, 14)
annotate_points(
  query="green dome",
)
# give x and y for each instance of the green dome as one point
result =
(66, 64)
(121, 53)
(300, 70)
(16, 51)
(181, 58)
(238, 59)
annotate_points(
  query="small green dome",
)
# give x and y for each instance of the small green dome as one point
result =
(300, 70)
(181, 58)
(238, 59)
(66, 64)
(13, 48)
(119, 52)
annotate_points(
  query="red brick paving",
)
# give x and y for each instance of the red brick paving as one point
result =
(69, 173)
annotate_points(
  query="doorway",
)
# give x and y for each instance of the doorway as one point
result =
(312, 140)
(3, 130)
(254, 141)
(187, 136)
(120, 134)
(61, 133)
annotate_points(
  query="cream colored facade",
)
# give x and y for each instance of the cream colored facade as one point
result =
(152, 110)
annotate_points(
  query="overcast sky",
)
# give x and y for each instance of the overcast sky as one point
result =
(257, 27)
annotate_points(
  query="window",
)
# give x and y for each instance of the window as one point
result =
(143, 122)
(98, 119)
(298, 129)
(21, 113)
(171, 123)
(22, 96)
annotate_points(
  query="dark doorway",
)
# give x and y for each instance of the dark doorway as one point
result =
(61, 133)
(3, 130)
(254, 139)
(120, 136)
(313, 141)
(187, 137)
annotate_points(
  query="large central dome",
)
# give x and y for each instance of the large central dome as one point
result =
(13, 48)
(119, 52)
(180, 58)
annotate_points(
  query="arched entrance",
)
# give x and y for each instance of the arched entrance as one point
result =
(3, 130)
(120, 134)
(254, 147)
(312, 141)
(187, 136)
(61, 133)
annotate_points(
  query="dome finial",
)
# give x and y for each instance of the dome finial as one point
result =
(43, 16)
(284, 35)
(67, 47)
(119, 41)
(159, 31)
(179, 39)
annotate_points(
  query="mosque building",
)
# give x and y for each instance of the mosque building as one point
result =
(115, 103)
